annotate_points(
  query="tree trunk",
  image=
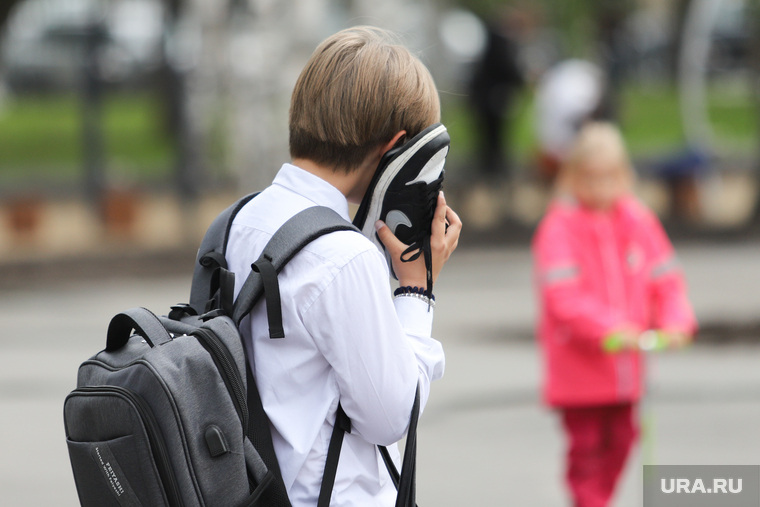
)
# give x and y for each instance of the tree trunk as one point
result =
(754, 31)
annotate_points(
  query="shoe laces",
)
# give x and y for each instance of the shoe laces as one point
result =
(420, 244)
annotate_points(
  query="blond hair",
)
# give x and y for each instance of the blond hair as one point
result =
(596, 140)
(358, 89)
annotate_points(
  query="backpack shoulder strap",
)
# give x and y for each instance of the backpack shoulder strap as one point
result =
(287, 241)
(211, 255)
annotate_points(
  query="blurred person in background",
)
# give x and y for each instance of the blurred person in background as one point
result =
(569, 94)
(495, 81)
(605, 273)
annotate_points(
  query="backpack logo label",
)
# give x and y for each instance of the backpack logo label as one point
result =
(114, 477)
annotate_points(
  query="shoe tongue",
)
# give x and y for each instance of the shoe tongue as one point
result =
(431, 171)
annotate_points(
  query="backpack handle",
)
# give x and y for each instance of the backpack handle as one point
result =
(141, 320)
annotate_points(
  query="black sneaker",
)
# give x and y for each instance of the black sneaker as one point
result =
(404, 192)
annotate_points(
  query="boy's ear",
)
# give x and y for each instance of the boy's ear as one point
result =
(397, 139)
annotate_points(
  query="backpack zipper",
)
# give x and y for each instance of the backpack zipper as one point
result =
(156, 441)
(228, 370)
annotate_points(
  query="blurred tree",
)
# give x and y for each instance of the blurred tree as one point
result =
(92, 112)
(680, 10)
(754, 19)
(6, 6)
(187, 166)
(611, 46)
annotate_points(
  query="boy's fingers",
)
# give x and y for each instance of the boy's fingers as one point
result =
(391, 242)
(438, 227)
(455, 224)
(453, 227)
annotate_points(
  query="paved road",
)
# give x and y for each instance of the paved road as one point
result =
(484, 438)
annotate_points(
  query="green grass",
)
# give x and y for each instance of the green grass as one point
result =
(736, 121)
(651, 120)
(37, 135)
(136, 140)
(652, 124)
(41, 139)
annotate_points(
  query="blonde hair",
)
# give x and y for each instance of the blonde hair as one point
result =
(358, 89)
(596, 139)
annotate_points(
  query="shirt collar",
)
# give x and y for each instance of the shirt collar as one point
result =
(313, 188)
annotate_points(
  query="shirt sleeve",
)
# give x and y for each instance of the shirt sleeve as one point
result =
(379, 350)
(559, 281)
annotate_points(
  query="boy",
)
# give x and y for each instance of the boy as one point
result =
(346, 340)
(605, 270)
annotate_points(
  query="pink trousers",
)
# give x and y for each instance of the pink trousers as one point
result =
(600, 439)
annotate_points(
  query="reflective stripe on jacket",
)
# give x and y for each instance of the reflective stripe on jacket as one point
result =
(594, 273)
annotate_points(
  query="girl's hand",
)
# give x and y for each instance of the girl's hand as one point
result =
(678, 339)
(624, 338)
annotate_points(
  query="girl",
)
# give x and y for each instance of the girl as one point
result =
(605, 273)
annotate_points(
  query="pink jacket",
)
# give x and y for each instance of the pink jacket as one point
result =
(596, 272)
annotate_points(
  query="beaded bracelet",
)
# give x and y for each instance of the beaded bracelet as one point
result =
(413, 290)
(416, 292)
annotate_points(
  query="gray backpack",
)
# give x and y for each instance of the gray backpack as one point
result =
(171, 416)
(157, 418)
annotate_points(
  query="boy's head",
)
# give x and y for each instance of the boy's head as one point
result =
(358, 89)
(597, 171)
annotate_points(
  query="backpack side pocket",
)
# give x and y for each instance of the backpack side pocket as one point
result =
(116, 450)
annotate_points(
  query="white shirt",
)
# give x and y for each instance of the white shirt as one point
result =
(345, 340)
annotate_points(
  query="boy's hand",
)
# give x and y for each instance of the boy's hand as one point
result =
(444, 239)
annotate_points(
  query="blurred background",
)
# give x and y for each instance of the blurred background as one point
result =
(123, 119)
(127, 125)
